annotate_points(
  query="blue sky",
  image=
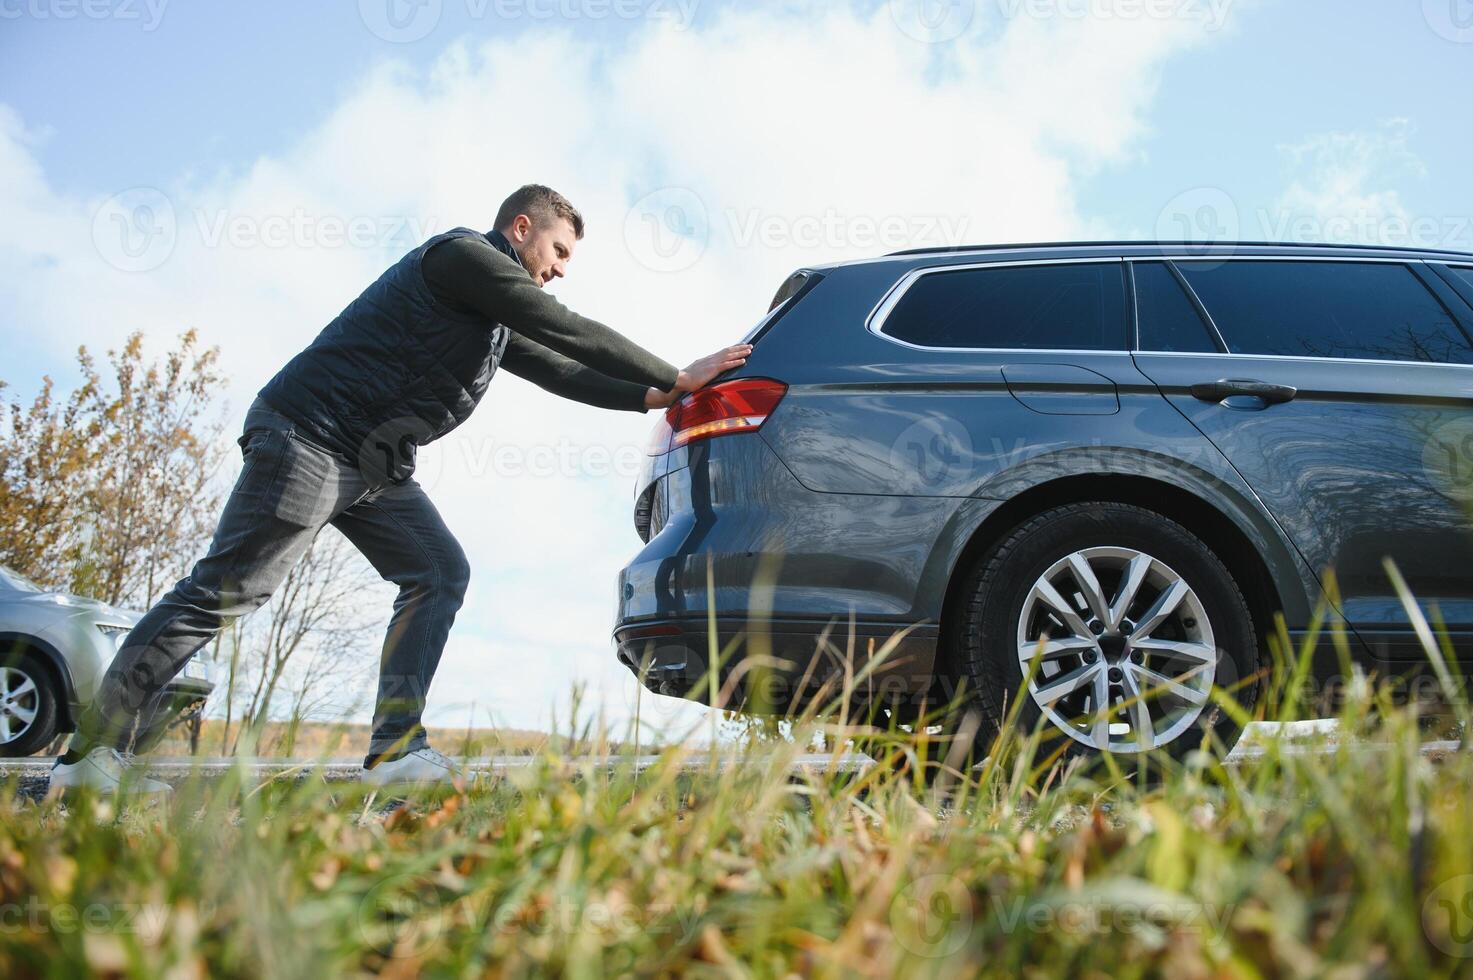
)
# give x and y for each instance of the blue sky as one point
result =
(713, 147)
(212, 86)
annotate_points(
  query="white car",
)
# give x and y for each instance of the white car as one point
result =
(54, 649)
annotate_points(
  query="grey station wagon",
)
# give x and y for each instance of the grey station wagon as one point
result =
(1108, 464)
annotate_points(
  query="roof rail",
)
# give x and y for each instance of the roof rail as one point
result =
(1175, 244)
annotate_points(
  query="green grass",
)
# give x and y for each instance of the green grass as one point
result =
(1355, 860)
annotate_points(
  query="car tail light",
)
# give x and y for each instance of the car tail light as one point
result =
(735, 406)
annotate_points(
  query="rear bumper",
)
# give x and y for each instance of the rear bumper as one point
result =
(780, 666)
(786, 571)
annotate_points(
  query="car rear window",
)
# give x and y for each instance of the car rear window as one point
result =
(1465, 272)
(788, 294)
(1168, 319)
(1079, 306)
(1367, 310)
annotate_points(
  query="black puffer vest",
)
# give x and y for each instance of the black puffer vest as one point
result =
(395, 370)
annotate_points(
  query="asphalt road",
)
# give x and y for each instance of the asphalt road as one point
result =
(33, 773)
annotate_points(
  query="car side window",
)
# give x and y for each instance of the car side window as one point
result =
(1068, 306)
(1368, 310)
(1168, 319)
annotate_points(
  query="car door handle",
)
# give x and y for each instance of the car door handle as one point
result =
(1216, 391)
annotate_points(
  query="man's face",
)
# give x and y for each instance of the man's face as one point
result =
(544, 246)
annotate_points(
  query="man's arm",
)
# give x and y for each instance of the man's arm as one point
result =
(564, 376)
(472, 275)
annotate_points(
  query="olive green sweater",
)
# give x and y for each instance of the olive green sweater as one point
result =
(550, 345)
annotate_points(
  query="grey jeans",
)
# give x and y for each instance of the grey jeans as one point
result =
(288, 489)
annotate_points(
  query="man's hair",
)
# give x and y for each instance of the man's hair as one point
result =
(538, 202)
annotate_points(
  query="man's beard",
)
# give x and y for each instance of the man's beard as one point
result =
(535, 277)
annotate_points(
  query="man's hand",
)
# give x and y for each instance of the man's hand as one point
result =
(698, 374)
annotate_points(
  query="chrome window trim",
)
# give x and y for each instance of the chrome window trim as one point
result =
(875, 322)
(1306, 358)
(1274, 258)
(1192, 298)
(1288, 357)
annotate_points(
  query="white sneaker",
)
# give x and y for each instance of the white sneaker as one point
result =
(106, 771)
(421, 768)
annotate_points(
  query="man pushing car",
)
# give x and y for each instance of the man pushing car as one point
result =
(331, 439)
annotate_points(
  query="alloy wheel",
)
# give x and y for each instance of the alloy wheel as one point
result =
(20, 700)
(1126, 652)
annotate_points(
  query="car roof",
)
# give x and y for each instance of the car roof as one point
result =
(1149, 249)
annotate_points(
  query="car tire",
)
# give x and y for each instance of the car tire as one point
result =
(29, 709)
(1149, 668)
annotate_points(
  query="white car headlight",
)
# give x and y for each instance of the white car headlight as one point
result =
(113, 631)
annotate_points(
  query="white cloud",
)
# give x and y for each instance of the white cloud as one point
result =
(803, 135)
(1337, 172)
(1343, 187)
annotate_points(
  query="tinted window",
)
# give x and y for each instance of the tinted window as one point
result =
(1051, 307)
(1464, 271)
(1377, 311)
(1168, 319)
